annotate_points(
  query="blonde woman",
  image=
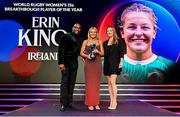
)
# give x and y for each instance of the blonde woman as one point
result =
(91, 51)
(113, 53)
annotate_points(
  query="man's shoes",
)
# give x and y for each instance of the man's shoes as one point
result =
(62, 107)
(69, 106)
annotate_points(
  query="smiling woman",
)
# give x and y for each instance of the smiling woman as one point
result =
(139, 29)
(140, 64)
(92, 67)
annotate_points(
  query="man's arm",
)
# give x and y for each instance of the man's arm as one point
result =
(61, 51)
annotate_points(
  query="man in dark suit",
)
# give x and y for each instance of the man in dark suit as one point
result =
(69, 49)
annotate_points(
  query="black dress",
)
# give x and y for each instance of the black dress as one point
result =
(112, 55)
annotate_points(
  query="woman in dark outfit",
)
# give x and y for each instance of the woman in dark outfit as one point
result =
(113, 53)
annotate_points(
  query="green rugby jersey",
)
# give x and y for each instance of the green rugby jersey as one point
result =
(152, 70)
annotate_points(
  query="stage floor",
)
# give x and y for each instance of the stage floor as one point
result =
(125, 108)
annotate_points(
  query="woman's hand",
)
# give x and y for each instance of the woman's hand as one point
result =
(121, 61)
(89, 56)
(96, 51)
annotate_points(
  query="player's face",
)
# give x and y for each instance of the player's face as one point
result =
(138, 31)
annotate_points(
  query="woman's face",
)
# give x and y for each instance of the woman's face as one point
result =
(93, 33)
(138, 31)
(110, 32)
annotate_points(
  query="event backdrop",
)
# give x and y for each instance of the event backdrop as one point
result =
(28, 31)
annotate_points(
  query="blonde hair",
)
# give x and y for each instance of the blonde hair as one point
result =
(115, 36)
(137, 7)
(93, 28)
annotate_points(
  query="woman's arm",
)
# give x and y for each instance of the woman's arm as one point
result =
(82, 50)
(101, 52)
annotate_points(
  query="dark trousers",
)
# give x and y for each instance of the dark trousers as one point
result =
(67, 86)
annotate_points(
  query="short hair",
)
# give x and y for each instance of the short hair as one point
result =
(138, 7)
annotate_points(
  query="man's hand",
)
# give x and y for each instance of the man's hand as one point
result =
(61, 67)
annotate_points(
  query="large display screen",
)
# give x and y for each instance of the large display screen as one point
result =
(30, 31)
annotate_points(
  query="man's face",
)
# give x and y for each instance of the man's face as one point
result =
(138, 31)
(76, 28)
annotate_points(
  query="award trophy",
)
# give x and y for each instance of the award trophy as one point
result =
(92, 54)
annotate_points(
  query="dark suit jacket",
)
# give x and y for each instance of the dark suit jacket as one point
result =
(69, 49)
